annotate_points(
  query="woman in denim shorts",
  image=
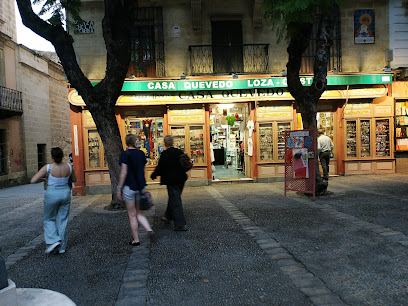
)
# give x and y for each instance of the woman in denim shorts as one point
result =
(131, 183)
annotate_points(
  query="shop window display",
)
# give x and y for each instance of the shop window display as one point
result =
(266, 141)
(179, 137)
(197, 144)
(351, 137)
(96, 158)
(382, 135)
(149, 132)
(401, 126)
(282, 127)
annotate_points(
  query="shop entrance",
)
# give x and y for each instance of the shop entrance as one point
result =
(228, 140)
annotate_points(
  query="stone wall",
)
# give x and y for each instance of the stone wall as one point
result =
(367, 58)
(7, 15)
(46, 108)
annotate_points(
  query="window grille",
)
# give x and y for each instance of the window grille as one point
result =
(147, 44)
(41, 154)
(334, 63)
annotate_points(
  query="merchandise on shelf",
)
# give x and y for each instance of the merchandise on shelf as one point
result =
(149, 132)
(382, 134)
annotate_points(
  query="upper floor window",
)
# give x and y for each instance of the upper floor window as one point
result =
(147, 44)
(334, 63)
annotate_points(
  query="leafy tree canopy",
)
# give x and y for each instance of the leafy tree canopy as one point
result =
(286, 15)
(56, 9)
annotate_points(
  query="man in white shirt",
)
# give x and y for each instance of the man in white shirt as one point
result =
(325, 148)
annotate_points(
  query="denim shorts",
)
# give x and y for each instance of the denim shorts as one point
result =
(129, 194)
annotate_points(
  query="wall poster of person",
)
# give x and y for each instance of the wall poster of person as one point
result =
(364, 27)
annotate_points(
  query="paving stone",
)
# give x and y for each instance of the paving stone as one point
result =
(315, 291)
(328, 299)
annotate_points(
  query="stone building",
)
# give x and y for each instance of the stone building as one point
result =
(212, 74)
(34, 110)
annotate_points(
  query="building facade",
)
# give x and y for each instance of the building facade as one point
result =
(213, 75)
(34, 109)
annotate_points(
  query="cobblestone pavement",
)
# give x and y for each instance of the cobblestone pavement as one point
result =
(247, 244)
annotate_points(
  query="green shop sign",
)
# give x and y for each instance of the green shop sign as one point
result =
(229, 84)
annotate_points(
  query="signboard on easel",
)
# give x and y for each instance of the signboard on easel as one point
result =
(300, 161)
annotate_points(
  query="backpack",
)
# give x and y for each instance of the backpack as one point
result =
(185, 162)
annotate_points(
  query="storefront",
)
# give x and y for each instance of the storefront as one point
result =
(234, 128)
(400, 94)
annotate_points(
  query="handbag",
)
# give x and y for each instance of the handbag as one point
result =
(146, 201)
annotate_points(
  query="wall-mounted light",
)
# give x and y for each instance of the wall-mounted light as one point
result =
(284, 72)
(334, 70)
(235, 76)
(131, 76)
(183, 76)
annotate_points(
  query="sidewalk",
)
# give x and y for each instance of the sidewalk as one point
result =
(246, 245)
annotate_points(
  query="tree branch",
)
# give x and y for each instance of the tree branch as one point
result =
(63, 44)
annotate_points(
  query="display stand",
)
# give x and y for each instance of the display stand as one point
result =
(300, 161)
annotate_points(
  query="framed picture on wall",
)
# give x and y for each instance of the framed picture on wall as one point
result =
(364, 27)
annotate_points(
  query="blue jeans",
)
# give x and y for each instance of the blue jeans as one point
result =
(175, 210)
(57, 202)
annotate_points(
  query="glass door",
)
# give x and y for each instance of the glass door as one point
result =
(282, 127)
(197, 144)
(365, 141)
(382, 137)
(265, 141)
(95, 154)
(351, 137)
(179, 136)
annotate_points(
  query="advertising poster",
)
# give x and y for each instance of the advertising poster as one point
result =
(364, 27)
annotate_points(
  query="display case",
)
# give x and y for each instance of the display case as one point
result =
(382, 138)
(190, 139)
(197, 144)
(179, 137)
(282, 127)
(365, 143)
(361, 138)
(94, 151)
(351, 137)
(265, 141)
(401, 126)
(149, 133)
(272, 140)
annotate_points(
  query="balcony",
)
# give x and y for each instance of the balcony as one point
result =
(11, 102)
(227, 59)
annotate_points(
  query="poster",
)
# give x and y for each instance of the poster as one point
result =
(364, 27)
(300, 163)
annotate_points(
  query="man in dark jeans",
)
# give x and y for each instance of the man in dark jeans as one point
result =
(325, 148)
(173, 175)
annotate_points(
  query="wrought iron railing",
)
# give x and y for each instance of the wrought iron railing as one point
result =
(231, 58)
(11, 99)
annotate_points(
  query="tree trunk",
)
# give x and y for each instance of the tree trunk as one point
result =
(307, 98)
(101, 99)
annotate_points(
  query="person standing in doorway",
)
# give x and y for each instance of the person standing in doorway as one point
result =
(325, 148)
(131, 184)
(173, 175)
(57, 200)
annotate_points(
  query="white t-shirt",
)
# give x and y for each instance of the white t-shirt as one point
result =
(250, 127)
(250, 147)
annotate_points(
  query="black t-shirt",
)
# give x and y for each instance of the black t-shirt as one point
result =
(135, 177)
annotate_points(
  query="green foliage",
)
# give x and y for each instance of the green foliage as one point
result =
(57, 10)
(287, 15)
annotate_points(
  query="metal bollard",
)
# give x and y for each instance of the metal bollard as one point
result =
(3, 274)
